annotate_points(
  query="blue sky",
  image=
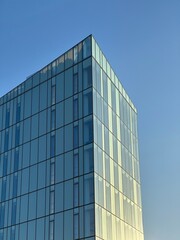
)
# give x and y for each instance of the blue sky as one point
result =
(141, 40)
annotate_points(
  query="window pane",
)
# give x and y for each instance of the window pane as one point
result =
(68, 83)
(76, 165)
(76, 194)
(75, 109)
(51, 202)
(53, 95)
(88, 130)
(60, 64)
(32, 206)
(51, 230)
(88, 159)
(87, 47)
(53, 144)
(76, 226)
(76, 136)
(87, 73)
(88, 188)
(89, 220)
(75, 83)
(69, 58)
(87, 101)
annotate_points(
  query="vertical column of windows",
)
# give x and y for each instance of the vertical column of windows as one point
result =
(75, 145)
(52, 163)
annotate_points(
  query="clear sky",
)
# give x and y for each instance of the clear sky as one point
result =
(141, 40)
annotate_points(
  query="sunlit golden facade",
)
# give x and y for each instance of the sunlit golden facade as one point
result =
(118, 208)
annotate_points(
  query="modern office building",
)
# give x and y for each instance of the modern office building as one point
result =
(69, 163)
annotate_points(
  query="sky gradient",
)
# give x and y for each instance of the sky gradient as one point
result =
(141, 40)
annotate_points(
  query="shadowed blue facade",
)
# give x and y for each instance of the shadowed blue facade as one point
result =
(69, 164)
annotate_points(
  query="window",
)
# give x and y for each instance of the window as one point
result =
(1, 234)
(51, 230)
(3, 191)
(16, 160)
(15, 184)
(42, 148)
(53, 119)
(87, 73)
(17, 135)
(7, 118)
(87, 102)
(13, 214)
(2, 214)
(18, 112)
(52, 172)
(76, 193)
(52, 202)
(75, 109)
(87, 47)
(76, 165)
(12, 233)
(69, 58)
(33, 178)
(60, 64)
(52, 147)
(53, 95)
(108, 197)
(53, 68)
(75, 83)
(75, 54)
(6, 141)
(76, 136)
(88, 130)
(68, 82)
(76, 226)
(88, 188)
(89, 220)
(5, 164)
(88, 159)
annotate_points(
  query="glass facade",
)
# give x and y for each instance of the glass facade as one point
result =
(69, 164)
